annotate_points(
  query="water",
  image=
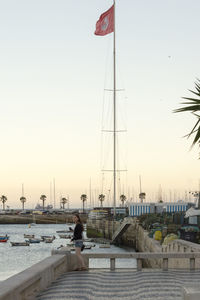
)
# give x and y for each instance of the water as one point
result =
(16, 259)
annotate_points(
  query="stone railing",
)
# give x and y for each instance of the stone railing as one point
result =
(181, 246)
(139, 256)
(165, 257)
(27, 284)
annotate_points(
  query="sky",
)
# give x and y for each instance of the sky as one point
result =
(53, 72)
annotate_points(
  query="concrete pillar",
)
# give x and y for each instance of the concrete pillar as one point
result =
(165, 264)
(112, 264)
(139, 264)
(192, 263)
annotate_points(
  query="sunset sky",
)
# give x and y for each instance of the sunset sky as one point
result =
(53, 72)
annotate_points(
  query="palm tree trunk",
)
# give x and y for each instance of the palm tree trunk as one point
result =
(83, 206)
(43, 204)
(3, 205)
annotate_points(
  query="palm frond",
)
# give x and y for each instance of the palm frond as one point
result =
(193, 106)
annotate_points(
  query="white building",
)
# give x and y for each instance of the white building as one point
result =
(138, 209)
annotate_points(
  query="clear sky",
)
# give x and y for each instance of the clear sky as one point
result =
(53, 71)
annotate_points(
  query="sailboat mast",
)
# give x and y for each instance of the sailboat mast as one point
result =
(54, 193)
(22, 190)
(114, 117)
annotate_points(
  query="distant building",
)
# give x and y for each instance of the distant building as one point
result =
(105, 212)
(40, 207)
(193, 215)
(138, 209)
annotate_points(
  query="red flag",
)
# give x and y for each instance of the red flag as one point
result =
(105, 24)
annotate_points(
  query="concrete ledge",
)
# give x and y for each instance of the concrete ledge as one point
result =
(27, 284)
(144, 255)
(191, 293)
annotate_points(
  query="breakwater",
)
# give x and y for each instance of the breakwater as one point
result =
(39, 219)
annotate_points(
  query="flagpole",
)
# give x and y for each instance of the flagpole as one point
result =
(114, 117)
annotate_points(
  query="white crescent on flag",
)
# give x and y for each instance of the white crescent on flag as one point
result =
(105, 24)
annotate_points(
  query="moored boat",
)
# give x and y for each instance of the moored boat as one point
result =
(34, 241)
(20, 243)
(44, 237)
(65, 236)
(64, 231)
(3, 240)
(48, 240)
(29, 236)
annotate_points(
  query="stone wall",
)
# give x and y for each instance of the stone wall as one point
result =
(106, 228)
(146, 244)
(137, 237)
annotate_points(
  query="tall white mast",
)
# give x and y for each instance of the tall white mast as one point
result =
(90, 194)
(114, 117)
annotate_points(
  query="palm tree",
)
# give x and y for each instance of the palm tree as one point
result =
(43, 198)
(193, 106)
(3, 200)
(63, 201)
(123, 199)
(83, 198)
(23, 200)
(101, 199)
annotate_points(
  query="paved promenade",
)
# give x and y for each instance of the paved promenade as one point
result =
(121, 284)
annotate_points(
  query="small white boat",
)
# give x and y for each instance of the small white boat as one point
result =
(87, 240)
(44, 237)
(88, 247)
(104, 246)
(65, 236)
(48, 240)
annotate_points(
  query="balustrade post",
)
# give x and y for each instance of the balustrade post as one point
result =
(165, 264)
(139, 264)
(112, 264)
(86, 261)
(192, 263)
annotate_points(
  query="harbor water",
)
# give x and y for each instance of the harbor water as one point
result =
(16, 259)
